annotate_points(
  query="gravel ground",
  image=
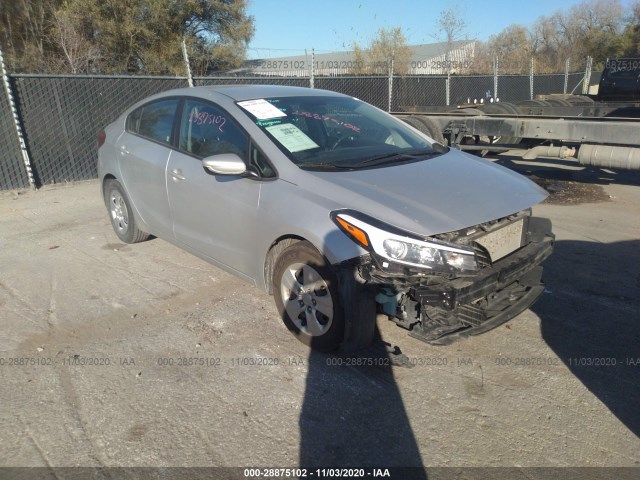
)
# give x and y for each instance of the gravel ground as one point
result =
(143, 355)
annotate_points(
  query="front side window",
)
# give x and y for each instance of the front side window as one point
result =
(337, 132)
(154, 120)
(207, 130)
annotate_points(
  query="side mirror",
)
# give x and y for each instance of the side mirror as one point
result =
(224, 164)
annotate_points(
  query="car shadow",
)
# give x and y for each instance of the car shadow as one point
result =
(590, 317)
(353, 415)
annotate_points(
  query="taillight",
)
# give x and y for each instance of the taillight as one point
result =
(101, 138)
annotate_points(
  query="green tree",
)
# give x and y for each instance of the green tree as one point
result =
(124, 36)
(145, 35)
(23, 33)
(631, 35)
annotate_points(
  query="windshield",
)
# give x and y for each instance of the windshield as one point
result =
(337, 132)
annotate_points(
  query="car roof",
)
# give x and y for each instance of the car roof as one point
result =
(251, 92)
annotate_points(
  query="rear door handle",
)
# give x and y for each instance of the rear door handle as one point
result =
(176, 174)
(123, 150)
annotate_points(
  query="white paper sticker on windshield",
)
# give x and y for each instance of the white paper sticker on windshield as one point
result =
(291, 137)
(261, 109)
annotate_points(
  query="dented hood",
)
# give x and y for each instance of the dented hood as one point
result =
(437, 195)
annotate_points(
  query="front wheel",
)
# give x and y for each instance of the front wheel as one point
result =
(121, 215)
(305, 292)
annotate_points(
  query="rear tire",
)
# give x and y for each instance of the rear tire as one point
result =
(305, 291)
(121, 213)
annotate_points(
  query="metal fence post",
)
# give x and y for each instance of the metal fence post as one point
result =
(531, 79)
(390, 85)
(495, 78)
(16, 121)
(311, 70)
(448, 89)
(566, 76)
(185, 57)
(587, 76)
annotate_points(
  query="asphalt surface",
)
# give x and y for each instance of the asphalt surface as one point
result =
(144, 355)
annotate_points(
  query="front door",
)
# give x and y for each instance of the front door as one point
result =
(214, 215)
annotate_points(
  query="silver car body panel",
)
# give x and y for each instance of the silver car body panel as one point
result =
(232, 221)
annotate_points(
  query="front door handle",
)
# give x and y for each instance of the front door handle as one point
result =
(123, 150)
(176, 174)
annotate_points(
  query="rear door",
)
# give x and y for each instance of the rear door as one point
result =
(144, 151)
(215, 215)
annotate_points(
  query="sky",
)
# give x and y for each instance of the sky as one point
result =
(288, 27)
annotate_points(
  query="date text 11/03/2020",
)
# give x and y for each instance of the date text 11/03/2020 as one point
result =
(256, 473)
(358, 65)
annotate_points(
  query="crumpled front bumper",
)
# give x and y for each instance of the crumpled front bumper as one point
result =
(470, 306)
(440, 310)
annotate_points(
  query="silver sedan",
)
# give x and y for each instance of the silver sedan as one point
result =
(338, 209)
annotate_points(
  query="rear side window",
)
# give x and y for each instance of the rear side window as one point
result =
(154, 120)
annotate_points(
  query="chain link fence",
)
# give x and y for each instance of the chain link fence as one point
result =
(13, 174)
(62, 114)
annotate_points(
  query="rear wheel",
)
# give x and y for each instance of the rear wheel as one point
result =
(305, 292)
(121, 214)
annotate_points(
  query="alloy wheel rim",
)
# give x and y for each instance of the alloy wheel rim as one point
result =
(307, 299)
(119, 212)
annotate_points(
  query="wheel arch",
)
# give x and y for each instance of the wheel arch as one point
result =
(105, 179)
(277, 247)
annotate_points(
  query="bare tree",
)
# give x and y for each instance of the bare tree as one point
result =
(388, 50)
(68, 34)
(451, 28)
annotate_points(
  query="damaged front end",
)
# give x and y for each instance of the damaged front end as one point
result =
(449, 285)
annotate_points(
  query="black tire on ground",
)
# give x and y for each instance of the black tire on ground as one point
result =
(121, 213)
(305, 291)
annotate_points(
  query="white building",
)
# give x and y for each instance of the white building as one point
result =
(426, 59)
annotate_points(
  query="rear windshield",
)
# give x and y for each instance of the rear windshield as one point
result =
(334, 131)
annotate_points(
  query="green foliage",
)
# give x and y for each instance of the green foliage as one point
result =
(124, 36)
(630, 41)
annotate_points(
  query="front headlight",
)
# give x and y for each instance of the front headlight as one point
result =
(399, 247)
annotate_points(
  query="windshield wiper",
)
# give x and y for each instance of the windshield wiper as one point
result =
(399, 156)
(324, 166)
